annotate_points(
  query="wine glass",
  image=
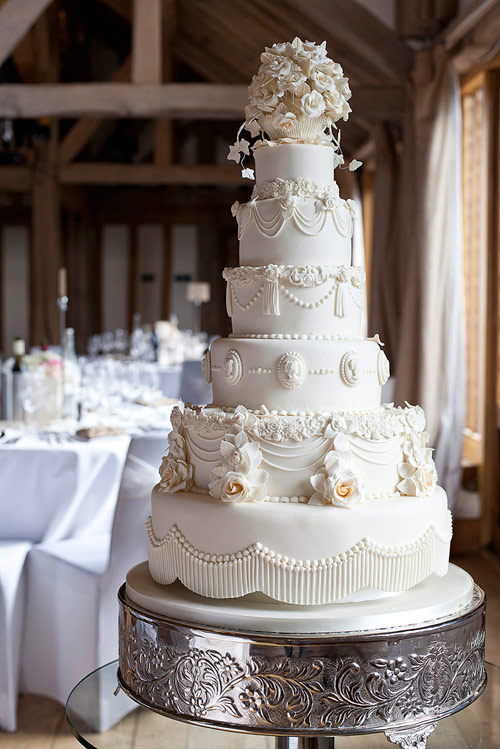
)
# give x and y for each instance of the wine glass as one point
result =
(33, 391)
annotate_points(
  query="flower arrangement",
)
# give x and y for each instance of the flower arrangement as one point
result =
(297, 94)
(298, 90)
(418, 473)
(176, 474)
(336, 483)
(239, 478)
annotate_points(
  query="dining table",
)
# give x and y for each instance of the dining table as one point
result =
(63, 482)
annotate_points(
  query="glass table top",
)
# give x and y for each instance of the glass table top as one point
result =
(102, 718)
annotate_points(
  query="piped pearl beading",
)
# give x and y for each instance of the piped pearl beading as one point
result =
(299, 336)
(310, 582)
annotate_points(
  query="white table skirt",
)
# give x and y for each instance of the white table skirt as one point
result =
(52, 492)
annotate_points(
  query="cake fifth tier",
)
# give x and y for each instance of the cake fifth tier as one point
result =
(296, 211)
(300, 374)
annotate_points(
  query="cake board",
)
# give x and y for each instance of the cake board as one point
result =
(396, 668)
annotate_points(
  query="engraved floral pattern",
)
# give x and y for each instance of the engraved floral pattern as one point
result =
(405, 679)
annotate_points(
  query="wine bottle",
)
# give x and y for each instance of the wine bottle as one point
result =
(71, 375)
(18, 367)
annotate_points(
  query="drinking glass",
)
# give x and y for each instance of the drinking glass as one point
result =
(33, 392)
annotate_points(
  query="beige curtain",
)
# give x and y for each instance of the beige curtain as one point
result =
(417, 260)
(385, 303)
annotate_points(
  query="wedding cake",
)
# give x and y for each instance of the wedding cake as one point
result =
(296, 482)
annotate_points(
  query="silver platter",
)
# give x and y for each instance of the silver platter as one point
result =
(396, 681)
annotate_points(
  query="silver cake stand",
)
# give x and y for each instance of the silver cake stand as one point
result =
(396, 666)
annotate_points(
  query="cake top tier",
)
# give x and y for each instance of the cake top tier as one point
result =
(297, 92)
(296, 97)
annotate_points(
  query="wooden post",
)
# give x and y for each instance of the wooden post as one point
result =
(45, 246)
(132, 273)
(167, 270)
(146, 41)
(489, 477)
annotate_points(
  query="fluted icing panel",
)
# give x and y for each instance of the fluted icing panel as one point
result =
(307, 582)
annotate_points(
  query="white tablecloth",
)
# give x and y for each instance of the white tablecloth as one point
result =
(50, 492)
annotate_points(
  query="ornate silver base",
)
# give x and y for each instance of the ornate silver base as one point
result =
(310, 687)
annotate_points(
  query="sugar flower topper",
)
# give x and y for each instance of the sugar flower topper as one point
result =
(297, 94)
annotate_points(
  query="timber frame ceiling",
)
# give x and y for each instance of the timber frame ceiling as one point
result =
(93, 66)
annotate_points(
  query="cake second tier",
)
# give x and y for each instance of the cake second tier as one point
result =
(299, 374)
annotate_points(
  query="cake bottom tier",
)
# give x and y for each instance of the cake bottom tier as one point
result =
(298, 553)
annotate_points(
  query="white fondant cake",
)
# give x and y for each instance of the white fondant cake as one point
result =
(296, 482)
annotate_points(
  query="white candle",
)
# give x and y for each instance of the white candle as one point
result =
(63, 282)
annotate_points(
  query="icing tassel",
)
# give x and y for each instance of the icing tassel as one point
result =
(229, 299)
(340, 300)
(271, 297)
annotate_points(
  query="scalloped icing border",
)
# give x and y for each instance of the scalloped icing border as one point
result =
(306, 582)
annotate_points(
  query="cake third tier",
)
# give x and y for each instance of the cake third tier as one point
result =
(299, 374)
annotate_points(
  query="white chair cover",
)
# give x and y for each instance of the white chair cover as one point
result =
(12, 591)
(194, 388)
(72, 609)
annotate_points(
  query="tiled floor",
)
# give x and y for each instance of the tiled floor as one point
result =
(42, 723)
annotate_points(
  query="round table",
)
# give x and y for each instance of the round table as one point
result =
(95, 705)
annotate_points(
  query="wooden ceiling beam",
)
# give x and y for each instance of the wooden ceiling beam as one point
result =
(171, 100)
(16, 19)
(150, 174)
(122, 8)
(15, 178)
(83, 130)
(175, 100)
(359, 33)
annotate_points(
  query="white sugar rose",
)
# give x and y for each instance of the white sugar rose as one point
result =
(176, 446)
(280, 66)
(336, 105)
(415, 418)
(176, 475)
(418, 480)
(426, 478)
(234, 487)
(312, 105)
(321, 81)
(341, 488)
(287, 205)
(239, 453)
(285, 121)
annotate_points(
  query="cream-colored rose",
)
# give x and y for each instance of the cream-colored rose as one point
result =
(312, 105)
(426, 478)
(176, 475)
(234, 487)
(286, 121)
(321, 81)
(343, 490)
(280, 66)
(340, 487)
